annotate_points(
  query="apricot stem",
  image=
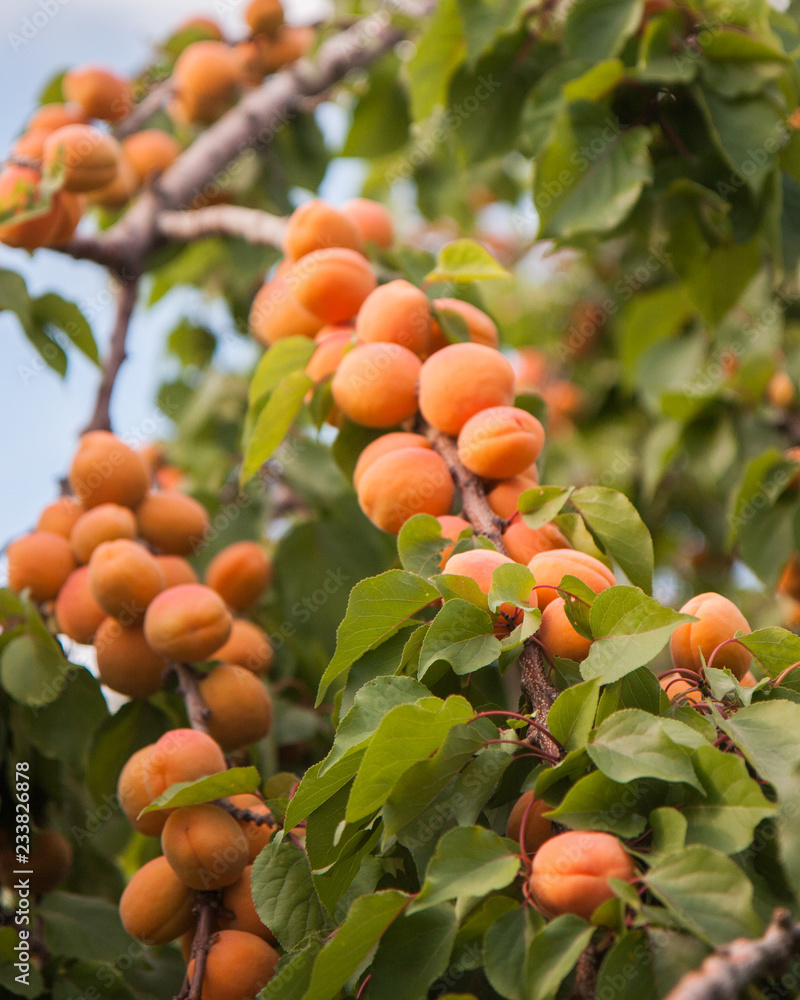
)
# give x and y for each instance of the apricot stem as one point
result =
(785, 673)
(517, 715)
(101, 420)
(725, 642)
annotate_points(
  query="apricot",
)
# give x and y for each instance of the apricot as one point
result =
(39, 562)
(328, 355)
(675, 685)
(460, 381)
(101, 93)
(60, 516)
(187, 623)
(172, 522)
(150, 152)
(105, 470)
(550, 568)
(558, 635)
(77, 612)
(789, 582)
(372, 220)
(240, 706)
(452, 527)
(49, 117)
(203, 27)
(694, 642)
(781, 391)
(156, 907)
(376, 384)
(316, 225)
(479, 565)
(264, 16)
(570, 872)
(124, 578)
(134, 795)
(403, 483)
(398, 313)
(276, 314)
(523, 543)
(238, 966)
(206, 79)
(332, 283)
(537, 828)
(176, 570)
(103, 523)
(50, 860)
(119, 190)
(258, 835)
(205, 846)
(504, 497)
(383, 445)
(29, 145)
(248, 646)
(240, 573)
(237, 899)
(289, 44)
(250, 60)
(20, 194)
(86, 158)
(125, 662)
(69, 211)
(481, 328)
(500, 441)
(748, 680)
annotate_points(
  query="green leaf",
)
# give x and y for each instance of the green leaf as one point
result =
(484, 20)
(505, 951)
(83, 927)
(192, 345)
(33, 670)
(439, 52)
(540, 504)
(743, 127)
(595, 802)
(315, 788)
(461, 635)
(381, 117)
(669, 832)
(51, 310)
(284, 894)
(420, 545)
(774, 648)
(553, 953)
(274, 421)
(512, 584)
(285, 357)
(651, 317)
(578, 600)
(465, 261)
(293, 973)
(613, 519)
(765, 478)
(234, 781)
(768, 734)
(131, 727)
(427, 937)
(627, 969)
(571, 718)
(789, 831)
(597, 29)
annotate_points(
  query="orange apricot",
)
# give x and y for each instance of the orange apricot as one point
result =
(20, 194)
(332, 283)
(694, 642)
(676, 685)
(87, 158)
(452, 527)
(134, 795)
(240, 706)
(238, 966)
(376, 384)
(264, 16)
(29, 145)
(372, 220)
(49, 117)
(187, 623)
(327, 357)
(124, 578)
(250, 60)
(460, 381)
(789, 582)
(383, 445)
(156, 907)
(257, 835)
(504, 497)
(570, 872)
(39, 562)
(60, 516)
(781, 391)
(500, 441)
(237, 900)
(240, 573)
(549, 569)
(150, 152)
(205, 846)
(125, 662)
(276, 314)
(290, 43)
(176, 570)
(558, 635)
(50, 860)
(99, 92)
(180, 755)
(103, 523)
(206, 79)
(106, 470)
(537, 828)
(523, 543)
(119, 190)
(248, 646)
(479, 565)
(316, 225)
(69, 211)
(403, 483)
(481, 328)
(172, 522)
(747, 680)
(398, 313)
(77, 612)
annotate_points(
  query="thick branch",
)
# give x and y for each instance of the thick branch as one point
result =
(539, 692)
(195, 706)
(101, 420)
(256, 227)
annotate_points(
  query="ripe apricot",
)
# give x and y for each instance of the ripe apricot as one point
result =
(204, 845)
(372, 220)
(69, 209)
(119, 191)
(316, 225)
(523, 543)
(125, 662)
(504, 497)
(103, 523)
(460, 381)
(49, 117)
(376, 384)
(290, 43)
(675, 685)
(570, 872)
(257, 835)
(134, 796)
(238, 966)
(240, 706)
(537, 828)
(789, 582)
(383, 445)
(781, 391)
(101, 93)
(332, 283)
(60, 516)
(173, 522)
(248, 646)
(240, 573)
(156, 907)
(264, 16)
(20, 193)
(403, 483)
(550, 568)
(558, 635)
(187, 623)
(276, 314)
(176, 571)
(237, 900)
(50, 860)
(150, 152)
(327, 357)
(29, 145)
(87, 157)
(398, 313)
(479, 565)
(124, 578)
(500, 441)
(39, 562)
(206, 79)
(481, 328)
(694, 642)
(77, 612)
(250, 60)
(452, 527)
(748, 680)
(106, 470)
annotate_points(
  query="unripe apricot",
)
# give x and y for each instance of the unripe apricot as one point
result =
(452, 527)
(248, 646)
(176, 571)
(328, 356)
(237, 899)
(77, 612)
(134, 796)
(150, 152)
(316, 225)
(39, 562)
(187, 623)
(570, 872)
(372, 220)
(172, 522)
(523, 543)
(693, 642)
(460, 381)
(20, 193)
(558, 635)
(88, 157)
(257, 835)
(206, 80)
(105, 470)
(50, 860)
(550, 568)
(276, 314)
(60, 516)
(479, 565)
(240, 706)
(103, 523)
(264, 16)
(537, 828)
(398, 313)
(481, 328)
(332, 283)
(676, 685)
(289, 44)
(125, 662)
(240, 573)
(119, 191)
(49, 117)
(180, 755)
(504, 497)
(383, 445)
(124, 578)
(205, 846)
(156, 907)
(403, 483)
(376, 384)
(238, 966)
(99, 92)
(500, 441)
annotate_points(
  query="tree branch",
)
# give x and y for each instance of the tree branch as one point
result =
(187, 687)
(101, 420)
(256, 227)
(539, 693)
(208, 904)
(145, 109)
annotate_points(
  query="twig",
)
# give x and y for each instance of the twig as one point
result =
(540, 695)
(145, 109)
(247, 815)
(256, 227)
(195, 706)
(101, 419)
(586, 975)
(208, 904)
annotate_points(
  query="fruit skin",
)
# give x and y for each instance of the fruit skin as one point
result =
(376, 384)
(20, 193)
(719, 619)
(372, 220)
(173, 522)
(133, 794)
(537, 828)
(675, 685)
(276, 314)
(50, 861)
(523, 543)
(104, 523)
(789, 582)
(781, 391)
(482, 329)
(403, 483)
(156, 907)
(504, 497)
(452, 527)
(240, 573)
(316, 225)
(238, 899)
(99, 92)
(332, 283)
(150, 152)
(479, 565)
(77, 612)
(206, 78)
(327, 357)
(41, 562)
(205, 846)
(258, 835)
(49, 117)
(398, 313)
(248, 646)
(60, 516)
(240, 706)
(238, 966)
(71, 209)
(124, 578)
(120, 189)
(125, 662)
(460, 381)
(176, 570)
(550, 568)
(106, 470)
(383, 445)
(264, 16)
(187, 623)
(289, 44)
(88, 157)
(500, 441)
(558, 635)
